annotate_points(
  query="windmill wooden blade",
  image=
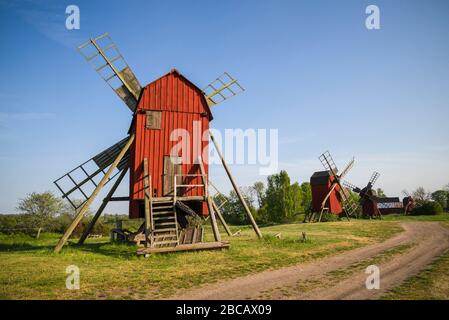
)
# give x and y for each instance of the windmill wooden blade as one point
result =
(347, 168)
(350, 186)
(221, 89)
(405, 193)
(77, 185)
(348, 203)
(103, 54)
(374, 178)
(328, 163)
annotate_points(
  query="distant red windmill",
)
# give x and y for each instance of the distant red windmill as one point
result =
(408, 202)
(368, 198)
(328, 195)
(167, 183)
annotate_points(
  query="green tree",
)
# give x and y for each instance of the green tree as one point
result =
(306, 197)
(428, 208)
(259, 190)
(233, 210)
(42, 207)
(380, 193)
(421, 196)
(282, 200)
(296, 198)
(442, 197)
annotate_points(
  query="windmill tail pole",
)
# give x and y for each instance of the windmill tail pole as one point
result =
(86, 205)
(236, 189)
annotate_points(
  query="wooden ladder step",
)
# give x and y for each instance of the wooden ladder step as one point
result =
(166, 242)
(162, 212)
(162, 236)
(162, 201)
(164, 230)
(164, 218)
(157, 224)
(162, 207)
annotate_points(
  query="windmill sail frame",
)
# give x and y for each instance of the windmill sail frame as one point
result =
(80, 179)
(221, 89)
(112, 67)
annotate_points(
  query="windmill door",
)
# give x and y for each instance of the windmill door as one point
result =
(172, 167)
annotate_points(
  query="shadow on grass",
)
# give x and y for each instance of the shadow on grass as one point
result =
(107, 249)
(103, 248)
(19, 247)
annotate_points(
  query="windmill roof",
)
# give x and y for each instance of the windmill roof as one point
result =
(321, 174)
(175, 71)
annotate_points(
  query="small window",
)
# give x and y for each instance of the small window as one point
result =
(153, 119)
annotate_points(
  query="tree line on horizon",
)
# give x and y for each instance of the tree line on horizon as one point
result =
(278, 201)
(281, 201)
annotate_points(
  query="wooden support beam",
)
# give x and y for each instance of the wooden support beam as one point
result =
(220, 217)
(89, 201)
(323, 203)
(119, 199)
(186, 247)
(213, 219)
(236, 188)
(102, 207)
(148, 205)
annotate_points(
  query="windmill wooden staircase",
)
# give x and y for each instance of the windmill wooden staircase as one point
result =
(164, 224)
(161, 222)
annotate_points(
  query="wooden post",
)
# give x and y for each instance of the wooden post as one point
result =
(220, 217)
(89, 201)
(236, 188)
(148, 213)
(38, 233)
(213, 219)
(102, 207)
(328, 195)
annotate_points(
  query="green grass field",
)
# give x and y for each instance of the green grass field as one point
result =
(430, 284)
(30, 270)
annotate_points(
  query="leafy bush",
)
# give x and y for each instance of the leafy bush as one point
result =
(428, 208)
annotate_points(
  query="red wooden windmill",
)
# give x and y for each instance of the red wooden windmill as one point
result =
(328, 195)
(368, 198)
(408, 202)
(165, 152)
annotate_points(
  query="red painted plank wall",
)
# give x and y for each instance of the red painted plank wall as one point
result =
(319, 192)
(181, 104)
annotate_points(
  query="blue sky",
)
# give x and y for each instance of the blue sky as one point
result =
(310, 69)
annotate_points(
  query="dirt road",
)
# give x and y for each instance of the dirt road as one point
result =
(342, 276)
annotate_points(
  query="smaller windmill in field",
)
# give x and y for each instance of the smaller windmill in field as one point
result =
(408, 202)
(328, 195)
(368, 197)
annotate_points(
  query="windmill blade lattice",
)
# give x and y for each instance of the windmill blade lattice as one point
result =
(77, 185)
(328, 163)
(221, 89)
(374, 178)
(350, 186)
(347, 168)
(103, 54)
(348, 203)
